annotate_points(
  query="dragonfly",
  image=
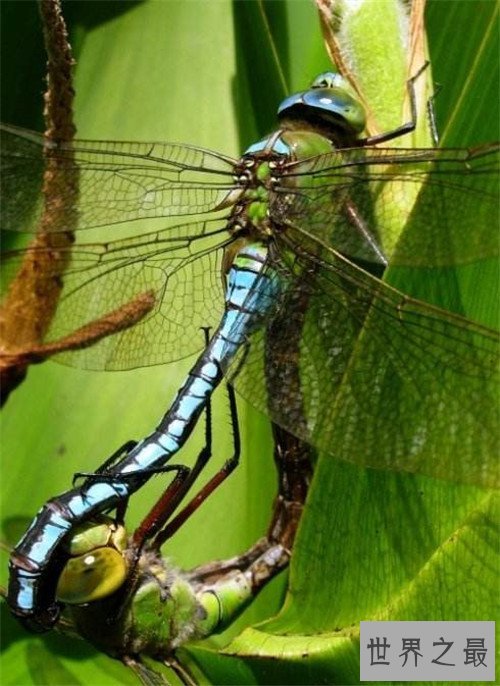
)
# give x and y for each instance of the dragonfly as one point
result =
(112, 585)
(296, 229)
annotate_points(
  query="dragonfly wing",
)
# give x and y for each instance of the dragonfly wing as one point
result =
(335, 204)
(176, 271)
(355, 200)
(107, 182)
(383, 380)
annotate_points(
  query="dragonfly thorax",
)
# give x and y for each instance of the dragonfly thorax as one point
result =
(257, 175)
(266, 190)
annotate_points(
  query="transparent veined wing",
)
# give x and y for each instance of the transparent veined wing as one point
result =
(115, 181)
(178, 267)
(358, 200)
(380, 374)
(170, 266)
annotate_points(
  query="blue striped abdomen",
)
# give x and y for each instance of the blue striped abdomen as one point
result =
(252, 290)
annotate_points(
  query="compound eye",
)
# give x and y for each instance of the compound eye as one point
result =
(92, 576)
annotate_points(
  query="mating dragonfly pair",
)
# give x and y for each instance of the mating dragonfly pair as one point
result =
(130, 602)
(298, 226)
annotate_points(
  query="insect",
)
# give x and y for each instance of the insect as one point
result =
(125, 598)
(292, 226)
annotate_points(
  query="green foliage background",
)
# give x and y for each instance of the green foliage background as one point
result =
(373, 544)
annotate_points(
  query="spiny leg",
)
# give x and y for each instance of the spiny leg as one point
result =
(109, 462)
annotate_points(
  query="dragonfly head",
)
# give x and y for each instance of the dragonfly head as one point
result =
(96, 567)
(329, 101)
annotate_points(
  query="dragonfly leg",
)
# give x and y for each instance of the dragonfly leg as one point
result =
(115, 457)
(121, 510)
(408, 126)
(431, 114)
(218, 568)
(181, 671)
(161, 512)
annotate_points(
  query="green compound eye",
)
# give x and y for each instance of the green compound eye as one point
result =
(99, 532)
(92, 576)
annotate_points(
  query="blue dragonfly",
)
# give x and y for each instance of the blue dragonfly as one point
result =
(303, 326)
